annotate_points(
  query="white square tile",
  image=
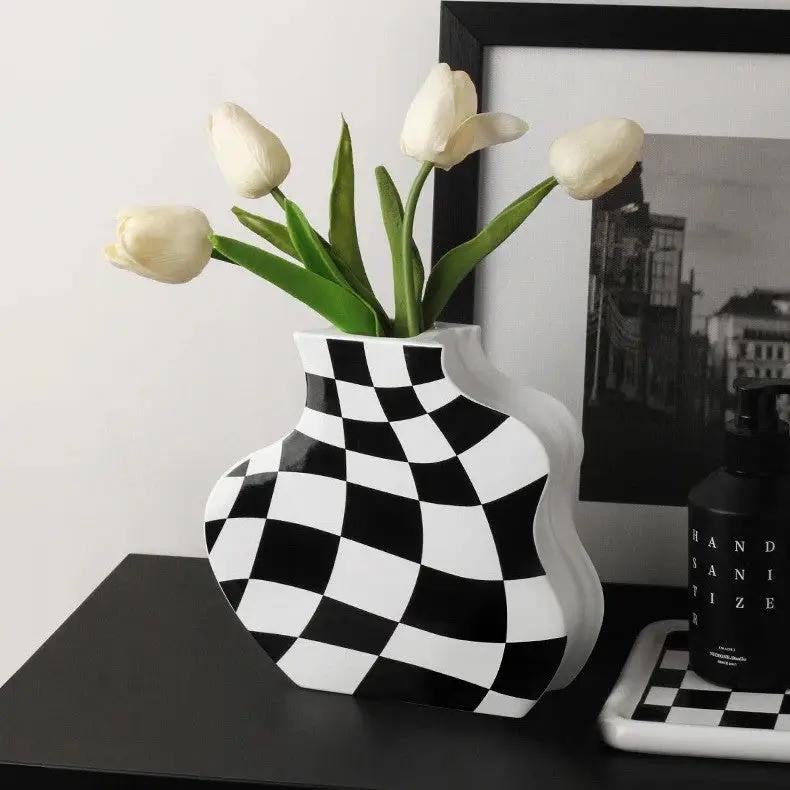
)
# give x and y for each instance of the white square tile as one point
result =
(311, 500)
(372, 580)
(675, 659)
(222, 497)
(276, 608)
(314, 352)
(701, 716)
(318, 665)
(387, 364)
(783, 722)
(436, 394)
(383, 474)
(533, 611)
(756, 702)
(497, 704)
(508, 459)
(691, 680)
(234, 551)
(358, 402)
(458, 540)
(324, 427)
(266, 460)
(658, 695)
(475, 662)
(422, 441)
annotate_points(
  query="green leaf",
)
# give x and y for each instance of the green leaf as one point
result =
(317, 256)
(335, 303)
(277, 234)
(274, 232)
(342, 219)
(392, 215)
(308, 247)
(454, 265)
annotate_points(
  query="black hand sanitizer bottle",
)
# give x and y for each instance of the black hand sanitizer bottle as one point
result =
(739, 550)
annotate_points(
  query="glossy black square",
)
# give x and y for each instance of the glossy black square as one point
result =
(302, 453)
(321, 394)
(254, 496)
(234, 589)
(651, 713)
(395, 680)
(296, 555)
(424, 364)
(349, 362)
(464, 422)
(274, 645)
(742, 718)
(667, 678)
(373, 438)
(528, 667)
(677, 640)
(339, 624)
(240, 470)
(511, 519)
(443, 603)
(700, 698)
(213, 528)
(444, 483)
(384, 521)
(399, 403)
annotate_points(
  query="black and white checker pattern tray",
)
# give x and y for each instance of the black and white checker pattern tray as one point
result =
(659, 705)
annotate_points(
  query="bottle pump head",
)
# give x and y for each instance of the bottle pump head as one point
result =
(758, 442)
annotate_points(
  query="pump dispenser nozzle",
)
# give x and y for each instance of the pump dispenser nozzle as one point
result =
(758, 442)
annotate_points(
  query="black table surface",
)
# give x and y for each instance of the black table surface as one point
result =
(153, 682)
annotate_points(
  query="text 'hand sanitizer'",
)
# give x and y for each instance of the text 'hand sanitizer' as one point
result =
(739, 550)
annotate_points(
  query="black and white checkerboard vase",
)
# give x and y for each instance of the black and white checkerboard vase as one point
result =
(385, 547)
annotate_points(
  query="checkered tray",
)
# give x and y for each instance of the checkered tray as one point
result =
(659, 705)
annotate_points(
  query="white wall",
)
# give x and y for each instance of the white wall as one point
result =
(122, 400)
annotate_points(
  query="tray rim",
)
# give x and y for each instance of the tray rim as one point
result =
(622, 732)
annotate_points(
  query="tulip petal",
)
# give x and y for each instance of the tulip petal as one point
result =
(589, 161)
(430, 120)
(253, 159)
(117, 257)
(120, 258)
(464, 96)
(481, 131)
(165, 243)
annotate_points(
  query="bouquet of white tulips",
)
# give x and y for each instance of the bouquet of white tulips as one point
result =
(173, 244)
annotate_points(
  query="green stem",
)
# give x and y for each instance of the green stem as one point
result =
(277, 194)
(413, 316)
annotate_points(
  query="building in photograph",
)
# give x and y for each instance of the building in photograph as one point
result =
(640, 316)
(667, 314)
(750, 336)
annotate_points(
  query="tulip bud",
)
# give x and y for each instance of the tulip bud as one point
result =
(165, 243)
(252, 159)
(442, 126)
(593, 159)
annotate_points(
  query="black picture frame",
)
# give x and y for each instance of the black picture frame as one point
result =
(467, 28)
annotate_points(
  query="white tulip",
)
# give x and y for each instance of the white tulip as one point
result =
(166, 243)
(252, 159)
(591, 160)
(442, 125)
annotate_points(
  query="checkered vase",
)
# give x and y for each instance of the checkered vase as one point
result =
(385, 547)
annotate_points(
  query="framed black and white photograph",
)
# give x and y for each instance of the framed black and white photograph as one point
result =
(639, 310)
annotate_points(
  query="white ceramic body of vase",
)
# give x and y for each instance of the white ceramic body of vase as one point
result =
(413, 537)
